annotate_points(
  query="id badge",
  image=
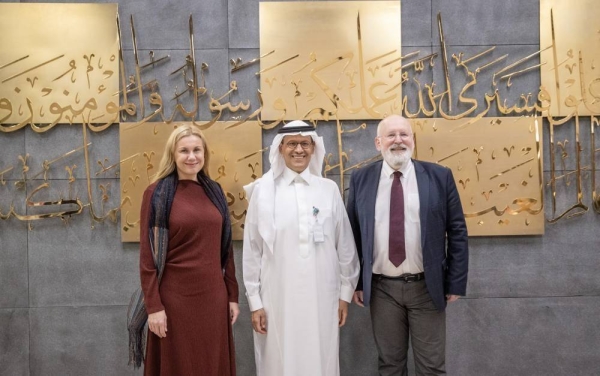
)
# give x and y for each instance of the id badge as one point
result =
(318, 234)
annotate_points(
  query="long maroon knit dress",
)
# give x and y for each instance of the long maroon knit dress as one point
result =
(193, 291)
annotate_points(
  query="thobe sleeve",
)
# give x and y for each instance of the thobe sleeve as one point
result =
(252, 256)
(148, 273)
(230, 280)
(346, 250)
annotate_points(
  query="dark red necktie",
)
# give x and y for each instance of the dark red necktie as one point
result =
(397, 247)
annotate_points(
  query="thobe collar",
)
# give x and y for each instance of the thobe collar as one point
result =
(388, 171)
(265, 197)
(289, 176)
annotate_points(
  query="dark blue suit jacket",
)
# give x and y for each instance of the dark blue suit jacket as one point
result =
(443, 229)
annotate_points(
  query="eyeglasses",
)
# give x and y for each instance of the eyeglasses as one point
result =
(392, 136)
(304, 145)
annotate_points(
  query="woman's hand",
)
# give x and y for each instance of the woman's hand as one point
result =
(157, 323)
(234, 312)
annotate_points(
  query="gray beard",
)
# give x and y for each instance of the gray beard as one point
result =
(396, 161)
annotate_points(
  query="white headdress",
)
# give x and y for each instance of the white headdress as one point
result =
(297, 127)
(265, 199)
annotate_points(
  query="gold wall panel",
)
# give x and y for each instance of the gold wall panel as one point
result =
(330, 59)
(497, 166)
(235, 161)
(572, 70)
(58, 63)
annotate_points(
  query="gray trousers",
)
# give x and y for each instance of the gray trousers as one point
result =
(399, 310)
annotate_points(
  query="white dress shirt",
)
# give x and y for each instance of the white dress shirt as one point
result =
(412, 223)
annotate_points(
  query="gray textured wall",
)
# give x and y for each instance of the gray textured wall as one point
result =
(533, 302)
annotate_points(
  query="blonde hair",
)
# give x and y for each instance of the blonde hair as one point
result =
(167, 163)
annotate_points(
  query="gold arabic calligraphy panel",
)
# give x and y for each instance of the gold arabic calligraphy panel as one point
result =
(322, 60)
(235, 161)
(58, 62)
(497, 166)
(572, 70)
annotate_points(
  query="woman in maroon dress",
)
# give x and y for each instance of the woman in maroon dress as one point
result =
(192, 302)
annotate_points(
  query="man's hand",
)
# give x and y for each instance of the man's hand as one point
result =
(157, 323)
(342, 312)
(358, 298)
(234, 312)
(452, 298)
(259, 321)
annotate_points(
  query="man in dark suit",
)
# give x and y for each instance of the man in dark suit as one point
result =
(412, 242)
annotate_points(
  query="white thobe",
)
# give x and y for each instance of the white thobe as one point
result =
(300, 282)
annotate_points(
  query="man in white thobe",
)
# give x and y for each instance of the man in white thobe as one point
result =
(300, 262)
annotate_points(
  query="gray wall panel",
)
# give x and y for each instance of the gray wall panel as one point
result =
(248, 82)
(289, 1)
(13, 250)
(79, 341)
(360, 145)
(14, 342)
(358, 354)
(237, 253)
(243, 28)
(217, 80)
(13, 233)
(477, 22)
(536, 337)
(52, 146)
(12, 145)
(523, 84)
(73, 264)
(244, 341)
(172, 83)
(563, 262)
(575, 227)
(568, 159)
(416, 81)
(530, 267)
(415, 23)
(163, 25)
